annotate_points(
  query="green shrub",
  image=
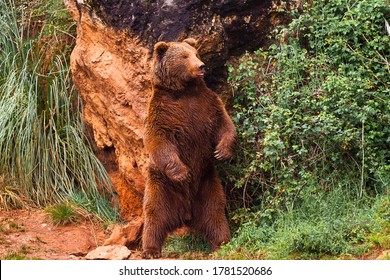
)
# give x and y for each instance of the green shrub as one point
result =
(313, 114)
(313, 110)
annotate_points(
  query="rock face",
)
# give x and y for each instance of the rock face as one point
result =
(110, 66)
(126, 235)
(225, 27)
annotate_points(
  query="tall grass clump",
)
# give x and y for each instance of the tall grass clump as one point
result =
(313, 118)
(42, 140)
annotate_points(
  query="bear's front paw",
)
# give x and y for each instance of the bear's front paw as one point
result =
(222, 152)
(177, 172)
(151, 254)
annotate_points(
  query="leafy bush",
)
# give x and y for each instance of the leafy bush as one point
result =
(313, 111)
(313, 115)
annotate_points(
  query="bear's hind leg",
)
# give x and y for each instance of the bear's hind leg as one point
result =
(209, 213)
(161, 216)
(153, 237)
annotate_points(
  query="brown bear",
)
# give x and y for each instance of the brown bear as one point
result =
(186, 129)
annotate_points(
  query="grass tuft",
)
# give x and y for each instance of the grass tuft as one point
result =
(188, 246)
(15, 256)
(62, 214)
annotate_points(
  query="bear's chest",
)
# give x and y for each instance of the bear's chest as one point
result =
(189, 121)
(199, 114)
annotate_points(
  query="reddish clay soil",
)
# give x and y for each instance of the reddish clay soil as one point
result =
(32, 234)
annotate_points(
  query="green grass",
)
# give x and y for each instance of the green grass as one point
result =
(328, 226)
(100, 206)
(21, 255)
(15, 227)
(62, 214)
(43, 146)
(25, 249)
(189, 246)
(15, 256)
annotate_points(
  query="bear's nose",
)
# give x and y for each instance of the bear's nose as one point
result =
(202, 67)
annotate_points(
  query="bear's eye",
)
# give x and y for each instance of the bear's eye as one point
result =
(185, 56)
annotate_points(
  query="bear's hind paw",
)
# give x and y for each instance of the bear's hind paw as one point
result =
(151, 254)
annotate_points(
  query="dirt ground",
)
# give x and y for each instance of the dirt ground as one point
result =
(31, 233)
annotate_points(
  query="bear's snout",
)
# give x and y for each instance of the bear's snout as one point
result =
(202, 67)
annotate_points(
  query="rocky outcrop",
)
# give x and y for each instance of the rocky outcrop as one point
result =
(111, 73)
(126, 234)
(110, 66)
(225, 27)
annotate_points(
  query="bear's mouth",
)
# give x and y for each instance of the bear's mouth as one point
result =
(200, 73)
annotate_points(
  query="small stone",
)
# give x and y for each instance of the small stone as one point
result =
(127, 235)
(111, 252)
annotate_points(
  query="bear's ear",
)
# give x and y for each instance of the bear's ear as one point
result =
(160, 48)
(191, 41)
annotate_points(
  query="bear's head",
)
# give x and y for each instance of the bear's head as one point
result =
(176, 63)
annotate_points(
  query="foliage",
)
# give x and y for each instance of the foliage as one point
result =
(313, 114)
(51, 22)
(62, 214)
(188, 246)
(42, 142)
(9, 226)
(100, 206)
(314, 110)
(325, 226)
(15, 256)
(10, 196)
(22, 254)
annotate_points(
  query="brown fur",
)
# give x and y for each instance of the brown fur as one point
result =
(187, 127)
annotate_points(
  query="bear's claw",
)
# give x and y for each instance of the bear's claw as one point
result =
(151, 254)
(222, 154)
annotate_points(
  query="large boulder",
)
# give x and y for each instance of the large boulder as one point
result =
(110, 66)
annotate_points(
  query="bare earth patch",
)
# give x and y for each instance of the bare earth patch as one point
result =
(32, 234)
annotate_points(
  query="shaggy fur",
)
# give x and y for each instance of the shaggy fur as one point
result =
(187, 128)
